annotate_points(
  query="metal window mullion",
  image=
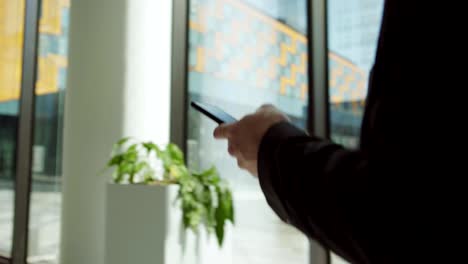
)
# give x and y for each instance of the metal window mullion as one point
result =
(25, 133)
(318, 114)
(318, 69)
(179, 72)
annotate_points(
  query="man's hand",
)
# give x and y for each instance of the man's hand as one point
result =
(244, 136)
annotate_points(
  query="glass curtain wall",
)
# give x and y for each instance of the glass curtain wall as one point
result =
(244, 53)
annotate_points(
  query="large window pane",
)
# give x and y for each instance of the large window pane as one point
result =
(353, 28)
(243, 54)
(45, 211)
(11, 50)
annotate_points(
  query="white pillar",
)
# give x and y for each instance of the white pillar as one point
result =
(118, 85)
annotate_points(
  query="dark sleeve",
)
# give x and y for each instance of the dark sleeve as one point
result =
(314, 185)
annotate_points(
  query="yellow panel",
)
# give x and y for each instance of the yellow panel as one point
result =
(49, 68)
(200, 66)
(11, 46)
(291, 81)
(304, 91)
(343, 62)
(285, 49)
(51, 16)
(197, 26)
(65, 3)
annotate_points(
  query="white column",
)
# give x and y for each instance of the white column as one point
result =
(118, 85)
(149, 25)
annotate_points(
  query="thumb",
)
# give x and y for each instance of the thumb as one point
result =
(223, 131)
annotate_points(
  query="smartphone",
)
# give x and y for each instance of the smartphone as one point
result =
(213, 112)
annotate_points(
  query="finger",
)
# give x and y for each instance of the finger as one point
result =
(265, 106)
(223, 131)
(252, 169)
(241, 163)
(232, 150)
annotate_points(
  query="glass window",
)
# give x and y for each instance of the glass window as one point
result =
(11, 51)
(45, 207)
(353, 28)
(244, 53)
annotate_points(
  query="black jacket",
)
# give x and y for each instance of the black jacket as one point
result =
(371, 205)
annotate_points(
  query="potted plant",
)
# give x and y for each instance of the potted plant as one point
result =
(147, 179)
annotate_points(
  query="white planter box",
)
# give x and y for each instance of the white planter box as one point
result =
(143, 227)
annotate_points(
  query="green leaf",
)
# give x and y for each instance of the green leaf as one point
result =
(177, 171)
(125, 168)
(136, 168)
(115, 160)
(122, 141)
(185, 174)
(175, 153)
(228, 205)
(119, 144)
(186, 220)
(148, 176)
(149, 146)
(206, 197)
(192, 212)
(132, 148)
(208, 203)
(195, 219)
(209, 172)
(140, 166)
(131, 179)
(209, 177)
(220, 219)
(131, 154)
(166, 160)
(222, 213)
(122, 170)
(118, 177)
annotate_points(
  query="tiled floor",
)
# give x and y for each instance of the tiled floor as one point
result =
(44, 225)
(6, 218)
(261, 238)
(258, 236)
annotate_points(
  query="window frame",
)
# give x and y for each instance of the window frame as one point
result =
(319, 110)
(25, 133)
